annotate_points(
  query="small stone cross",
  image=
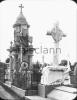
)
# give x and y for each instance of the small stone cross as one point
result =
(21, 6)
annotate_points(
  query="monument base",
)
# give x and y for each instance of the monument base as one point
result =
(43, 90)
(55, 75)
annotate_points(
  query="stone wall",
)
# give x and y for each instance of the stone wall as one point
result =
(19, 91)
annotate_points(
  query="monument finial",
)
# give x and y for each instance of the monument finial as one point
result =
(21, 6)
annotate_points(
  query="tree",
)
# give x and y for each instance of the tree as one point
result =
(36, 75)
(36, 67)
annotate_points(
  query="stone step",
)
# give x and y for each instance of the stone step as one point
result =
(62, 93)
(8, 93)
(31, 92)
(36, 98)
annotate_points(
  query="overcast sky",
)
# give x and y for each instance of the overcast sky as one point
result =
(41, 15)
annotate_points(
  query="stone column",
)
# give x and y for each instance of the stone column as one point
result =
(21, 53)
(56, 54)
(10, 66)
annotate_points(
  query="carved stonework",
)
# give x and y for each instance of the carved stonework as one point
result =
(57, 35)
(22, 51)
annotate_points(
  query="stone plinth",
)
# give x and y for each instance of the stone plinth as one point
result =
(17, 90)
(54, 75)
(43, 90)
(63, 93)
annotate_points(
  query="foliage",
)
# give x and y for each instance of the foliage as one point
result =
(73, 66)
(36, 75)
(36, 67)
(63, 62)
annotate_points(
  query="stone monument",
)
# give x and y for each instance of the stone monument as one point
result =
(55, 74)
(57, 35)
(21, 52)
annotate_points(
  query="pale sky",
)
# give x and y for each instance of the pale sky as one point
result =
(41, 15)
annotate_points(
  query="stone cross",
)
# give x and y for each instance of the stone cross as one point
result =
(57, 35)
(21, 6)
